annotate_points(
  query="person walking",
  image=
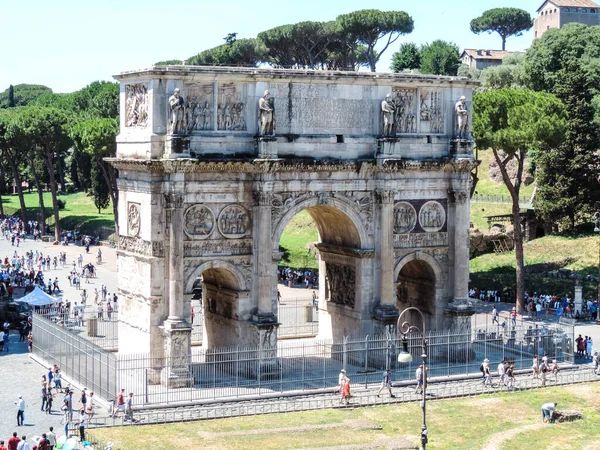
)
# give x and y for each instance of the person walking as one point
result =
(419, 377)
(91, 407)
(51, 438)
(487, 373)
(346, 390)
(341, 378)
(536, 368)
(386, 383)
(23, 444)
(20, 410)
(510, 377)
(44, 394)
(129, 407)
(495, 316)
(513, 316)
(502, 372)
(555, 369)
(13, 442)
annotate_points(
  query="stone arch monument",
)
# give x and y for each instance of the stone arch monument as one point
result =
(214, 162)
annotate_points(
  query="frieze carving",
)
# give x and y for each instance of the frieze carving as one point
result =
(213, 247)
(405, 217)
(363, 202)
(136, 105)
(420, 240)
(140, 246)
(199, 222)
(341, 283)
(283, 201)
(221, 167)
(406, 117)
(432, 216)
(344, 251)
(431, 111)
(199, 112)
(233, 221)
(133, 219)
(458, 197)
(230, 110)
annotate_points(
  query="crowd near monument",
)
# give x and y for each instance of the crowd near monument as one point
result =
(381, 162)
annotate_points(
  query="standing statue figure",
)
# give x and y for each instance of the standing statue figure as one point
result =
(265, 115)
(462, 118)
(388, 108)
(176, 108)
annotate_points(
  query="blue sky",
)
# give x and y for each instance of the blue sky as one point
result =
(67, 44)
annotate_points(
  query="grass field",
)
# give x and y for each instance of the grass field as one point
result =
(509, 420)
(300, 232)
(79, 213)
(485, 186)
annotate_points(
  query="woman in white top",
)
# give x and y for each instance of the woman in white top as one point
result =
(91, 406)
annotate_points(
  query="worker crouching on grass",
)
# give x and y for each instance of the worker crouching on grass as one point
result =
(547, 409)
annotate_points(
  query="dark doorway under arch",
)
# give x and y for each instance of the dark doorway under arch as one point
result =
(416, 287)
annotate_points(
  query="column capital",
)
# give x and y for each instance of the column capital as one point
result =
(262, 198)
(384, 196)
(458, 196)
(173, 200)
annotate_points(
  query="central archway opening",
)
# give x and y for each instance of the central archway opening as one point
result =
(416, 287)
(318, 270)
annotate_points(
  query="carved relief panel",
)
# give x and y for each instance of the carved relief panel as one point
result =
(136, 105)
(234, 222)
(432, 216)
(341, 284)
(405, 217)
(405, 116)
(133, 219)
(199, 110)
(231, 110)
(199, 222)
(431, 111)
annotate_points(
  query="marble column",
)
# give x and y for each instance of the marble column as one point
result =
(385, 312)
(263, 246)
(176, 373)
(460, 198)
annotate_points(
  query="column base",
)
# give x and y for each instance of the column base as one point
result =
(176, 371)
(388, 148)
(461, 147)
(177, 147)
(266, 147)
(386, 319)
(266, 364)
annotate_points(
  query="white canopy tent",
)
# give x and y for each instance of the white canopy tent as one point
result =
(38, 297)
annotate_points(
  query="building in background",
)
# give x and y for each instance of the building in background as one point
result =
(558, 13)
(482, 59)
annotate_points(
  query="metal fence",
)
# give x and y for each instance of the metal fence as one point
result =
(298, 318)
(501, 199)
(310, 365)
(99, 327)
(78, 358)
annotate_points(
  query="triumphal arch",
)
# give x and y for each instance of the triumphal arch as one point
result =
(213, 163)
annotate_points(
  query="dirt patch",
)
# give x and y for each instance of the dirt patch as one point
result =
(388, 444)
(359, 424)
(497, 439)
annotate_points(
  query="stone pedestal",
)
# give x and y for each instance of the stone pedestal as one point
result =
(462, 148)
(176, 371)
(177, 147)
(457, 319)
(388, 148)
(266, 147)
(266, 364)
(386, 320)
(578, 299)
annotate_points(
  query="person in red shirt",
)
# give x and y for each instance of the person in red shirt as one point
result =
(2, 447)
(13, 442)
(120, 403)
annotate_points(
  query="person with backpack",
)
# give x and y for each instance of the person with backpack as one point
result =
(543, 371)
(487, 373)
(482, 369)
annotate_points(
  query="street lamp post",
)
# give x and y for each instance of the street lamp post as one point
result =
(405, 357)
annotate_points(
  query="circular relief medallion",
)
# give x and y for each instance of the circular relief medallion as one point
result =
(133, 219)
(199, 221)
(432, 216)
(233, 221)
(405, 217)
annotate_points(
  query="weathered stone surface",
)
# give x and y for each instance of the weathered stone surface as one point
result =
(566, 415)
(204, 198)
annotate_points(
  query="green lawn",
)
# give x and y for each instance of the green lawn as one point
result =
(485, 186)
(512, 420)
(297, 236)
(79, 213)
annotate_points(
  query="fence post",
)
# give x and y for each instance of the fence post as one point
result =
(345, 353)
(366, 361)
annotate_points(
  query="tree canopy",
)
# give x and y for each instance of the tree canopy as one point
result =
(504, 21)
(369, 26)
(21, 94)
(408, 57)
(440, 58)
(234, 52)
(511, 122)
